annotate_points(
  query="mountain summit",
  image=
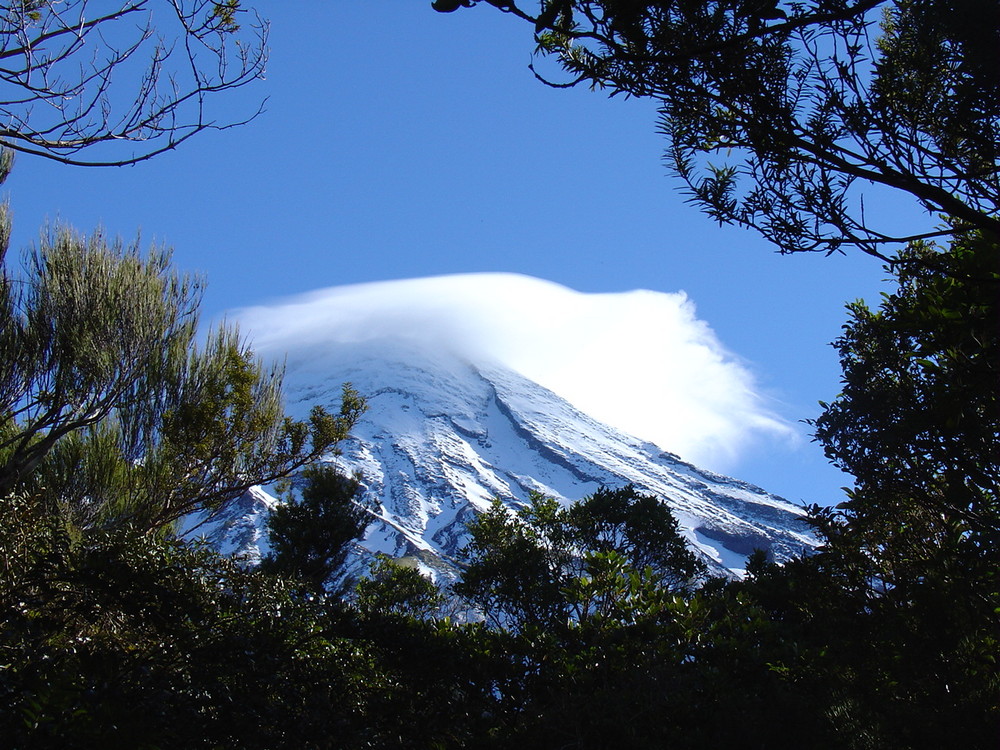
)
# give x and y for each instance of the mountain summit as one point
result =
(450, 426)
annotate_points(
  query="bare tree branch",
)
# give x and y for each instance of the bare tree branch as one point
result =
(77, 86)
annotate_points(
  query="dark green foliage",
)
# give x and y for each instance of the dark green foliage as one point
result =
(394, 589)
(915, 546)
(113, 424)
(639, 527)
(516, 566)
(433, 682)
(588, 607)
(918, 420)
(778, 116)
(125, 640)
(310, 534)
(891, 632)
(549, 565)
(887, 638)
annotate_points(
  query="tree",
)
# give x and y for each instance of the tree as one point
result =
(891, 627)
(76, 81)
(638, 527)
(516, 565)
(917, 543)
(918, 420)
(310, 533)
(918, 425)
(547, 566)
(109, 411)
(779, 116)
(436, 684)
(114, 423)
(394, 590)
(605, 642)
(126, 640)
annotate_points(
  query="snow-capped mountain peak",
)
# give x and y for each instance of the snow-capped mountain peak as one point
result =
(442, 437)
(494, 385)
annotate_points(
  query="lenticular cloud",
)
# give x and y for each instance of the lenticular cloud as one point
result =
(640, 361)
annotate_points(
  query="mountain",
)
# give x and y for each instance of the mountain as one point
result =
(444, 435)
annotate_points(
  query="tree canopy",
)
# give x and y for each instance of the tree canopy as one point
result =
(785, 117)
(111, 411)
(547, 565)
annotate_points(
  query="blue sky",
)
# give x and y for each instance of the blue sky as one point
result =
(399, 143)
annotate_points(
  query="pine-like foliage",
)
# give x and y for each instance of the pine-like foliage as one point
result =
(112, 413)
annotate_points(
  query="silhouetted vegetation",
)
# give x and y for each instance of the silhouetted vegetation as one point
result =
(780, 115)
(588, 626)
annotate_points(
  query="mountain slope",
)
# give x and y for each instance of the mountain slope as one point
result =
(443, 436)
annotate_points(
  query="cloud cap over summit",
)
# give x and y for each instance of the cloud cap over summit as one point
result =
(640, 361)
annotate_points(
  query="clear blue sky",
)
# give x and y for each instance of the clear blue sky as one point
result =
(399, 142)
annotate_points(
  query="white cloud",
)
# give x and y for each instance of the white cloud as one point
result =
(641, 361)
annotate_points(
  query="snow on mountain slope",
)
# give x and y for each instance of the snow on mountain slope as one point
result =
(443, 436)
